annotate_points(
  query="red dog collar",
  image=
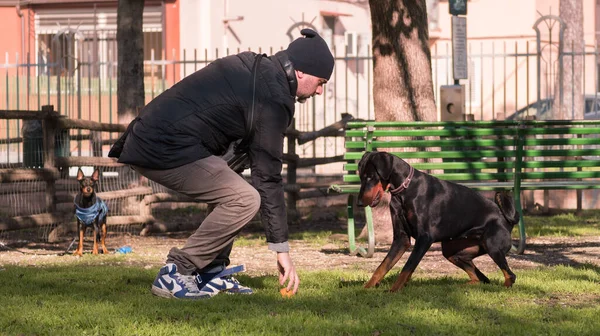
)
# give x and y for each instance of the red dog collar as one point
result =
(404, 184)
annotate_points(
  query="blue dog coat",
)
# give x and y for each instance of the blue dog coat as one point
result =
(87, 215)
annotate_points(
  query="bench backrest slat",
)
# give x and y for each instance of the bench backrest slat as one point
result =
(561, 152)
(454, 154)
(561, 142)
(450, 165)
(562, 164)
(489, 152)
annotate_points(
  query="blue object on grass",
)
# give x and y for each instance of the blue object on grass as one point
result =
(124, 250)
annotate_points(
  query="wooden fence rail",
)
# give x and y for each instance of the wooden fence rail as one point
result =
(58, 209)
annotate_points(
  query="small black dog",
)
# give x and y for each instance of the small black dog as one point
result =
(432, 210)
(90, 210)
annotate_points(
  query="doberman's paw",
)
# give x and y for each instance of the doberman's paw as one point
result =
(394, 289)
(371, 284)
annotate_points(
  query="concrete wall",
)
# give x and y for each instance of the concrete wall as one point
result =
(260, 23)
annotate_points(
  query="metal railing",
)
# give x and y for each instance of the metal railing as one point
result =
(504, 77)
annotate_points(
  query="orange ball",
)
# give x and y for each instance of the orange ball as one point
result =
(286, 293)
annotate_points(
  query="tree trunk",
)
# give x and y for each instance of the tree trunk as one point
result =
(130, 44)
(402, 81)
(571, 12)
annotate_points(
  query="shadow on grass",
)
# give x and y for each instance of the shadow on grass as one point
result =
(553, 254)
(542, 254)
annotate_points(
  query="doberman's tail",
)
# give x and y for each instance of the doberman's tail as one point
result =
(507, 206)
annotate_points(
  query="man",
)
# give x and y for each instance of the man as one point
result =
(178, 138)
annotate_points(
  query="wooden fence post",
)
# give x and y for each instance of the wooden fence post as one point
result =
(49, 125)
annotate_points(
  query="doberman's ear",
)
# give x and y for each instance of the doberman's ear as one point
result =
(80, 174)
(363, 161)
(95, 175)
(384, 163)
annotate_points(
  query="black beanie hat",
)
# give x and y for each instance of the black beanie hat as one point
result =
(311, 55)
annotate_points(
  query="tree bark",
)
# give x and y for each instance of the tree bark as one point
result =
(402, 80)
(571, 12)
(130, 43)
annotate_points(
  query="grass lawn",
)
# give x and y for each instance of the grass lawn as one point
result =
(103, 296)
(94, 299)
(588, 223)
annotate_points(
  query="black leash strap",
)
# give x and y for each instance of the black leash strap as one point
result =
(243, 145)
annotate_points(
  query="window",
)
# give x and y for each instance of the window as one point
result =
(57, 53)
(433, 11)
(153, 42)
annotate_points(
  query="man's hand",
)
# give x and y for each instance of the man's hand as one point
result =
(287, 271)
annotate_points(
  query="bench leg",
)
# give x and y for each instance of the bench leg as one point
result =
(351, 238)
(371, 233)
(354, 250)
(522, 238)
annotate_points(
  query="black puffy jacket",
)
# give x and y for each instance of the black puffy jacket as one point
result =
(203, 113)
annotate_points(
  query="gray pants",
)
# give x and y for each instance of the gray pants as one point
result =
(235, 203)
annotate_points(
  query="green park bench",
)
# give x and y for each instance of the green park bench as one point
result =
(483, 155)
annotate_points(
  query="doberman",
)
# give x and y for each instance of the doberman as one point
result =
(430, 210)
(90, 210)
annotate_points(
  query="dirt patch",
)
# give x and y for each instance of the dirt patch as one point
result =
(308, 256)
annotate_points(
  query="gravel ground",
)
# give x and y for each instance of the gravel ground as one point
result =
(150, 251)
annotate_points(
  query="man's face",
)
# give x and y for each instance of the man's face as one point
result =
(308, 86)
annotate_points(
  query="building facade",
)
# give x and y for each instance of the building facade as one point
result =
(63, 52)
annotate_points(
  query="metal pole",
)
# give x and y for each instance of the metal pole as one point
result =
(596, 66)
(79, 109)
(357, 84)
(504, 81)
(516, 75)
(18, 95)
(471, 84)
(346, 79)
(335, 83)
(152, 73)
(560, 62)
(335, 148)
(527, 67)
(481, 79)
(436, 74)
(7, 104)
(493, 79)
(28, 80)
(369, 92)
(447, 63)
(109, 70)
(583, 56)
(58, 80)
(539, 67)
(573, 80)
(39, 76)
(184, 64)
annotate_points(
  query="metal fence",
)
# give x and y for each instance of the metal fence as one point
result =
(86, 89)
(503, 77)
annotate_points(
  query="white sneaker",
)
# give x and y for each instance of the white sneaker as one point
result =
(171, 284)
(223, 281)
